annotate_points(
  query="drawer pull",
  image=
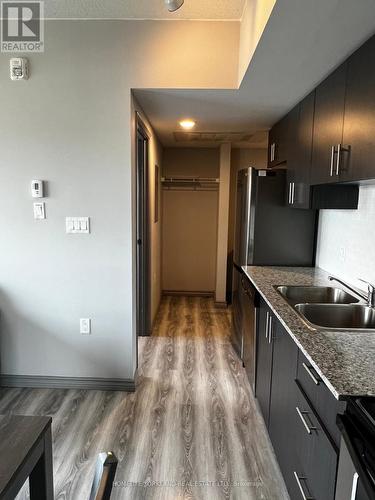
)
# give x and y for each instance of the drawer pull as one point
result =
(301, 415)
(314, 379)
(299, 482)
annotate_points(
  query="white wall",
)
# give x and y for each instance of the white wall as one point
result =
(71, 124)
(346, 240)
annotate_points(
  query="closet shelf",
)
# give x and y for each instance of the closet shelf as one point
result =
(191, 183)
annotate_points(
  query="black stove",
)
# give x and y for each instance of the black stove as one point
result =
(357, 426)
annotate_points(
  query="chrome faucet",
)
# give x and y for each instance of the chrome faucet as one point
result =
(369, 297)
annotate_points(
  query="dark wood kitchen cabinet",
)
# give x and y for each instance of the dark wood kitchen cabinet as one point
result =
(328, 128)
(304, 448)
(264, 359)
(280, 138)
(283, 403)
(359, 119)
(339, 115)
(315, 465)
(299, 154)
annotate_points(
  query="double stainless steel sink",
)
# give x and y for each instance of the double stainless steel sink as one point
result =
(316, 295)
(329, 308)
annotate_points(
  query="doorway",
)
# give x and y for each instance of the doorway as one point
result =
(143, 317)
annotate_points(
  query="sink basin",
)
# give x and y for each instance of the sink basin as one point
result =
(316, 295)
(338, 316)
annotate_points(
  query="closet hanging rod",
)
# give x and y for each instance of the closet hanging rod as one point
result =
(190, 180)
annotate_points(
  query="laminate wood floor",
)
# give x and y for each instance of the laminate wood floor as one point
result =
(190, 431)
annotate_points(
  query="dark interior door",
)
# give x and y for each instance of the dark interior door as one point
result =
(143, 286)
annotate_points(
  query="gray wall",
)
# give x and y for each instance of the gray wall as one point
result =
(71, 125)
(64, 127)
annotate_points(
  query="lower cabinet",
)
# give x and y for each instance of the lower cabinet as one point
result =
(315, 457)
(283, 404)
(264, 359)
(306, 453)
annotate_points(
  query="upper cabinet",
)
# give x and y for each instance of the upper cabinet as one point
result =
(279, 140)
(299, 154)
(328, 139)
(328, 128)
(359, 119)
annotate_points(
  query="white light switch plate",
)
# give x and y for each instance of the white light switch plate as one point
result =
(77, 225)
(39, 211)
(85, 326)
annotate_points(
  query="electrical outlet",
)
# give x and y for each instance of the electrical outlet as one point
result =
(85, 326)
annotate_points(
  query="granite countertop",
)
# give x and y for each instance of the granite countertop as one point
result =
(344, 360)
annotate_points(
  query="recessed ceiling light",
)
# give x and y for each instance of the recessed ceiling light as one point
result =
(173, 5)
(187, 124)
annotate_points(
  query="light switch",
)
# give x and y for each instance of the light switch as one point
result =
(83, 225)
(77, 225)
(39, 211)
(69, 225)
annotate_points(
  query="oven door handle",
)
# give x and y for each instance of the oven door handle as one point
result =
(348, 428)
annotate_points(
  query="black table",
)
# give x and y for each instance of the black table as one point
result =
(26, 452)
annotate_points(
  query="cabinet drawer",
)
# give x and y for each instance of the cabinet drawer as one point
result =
(316, 457)
(323, 401)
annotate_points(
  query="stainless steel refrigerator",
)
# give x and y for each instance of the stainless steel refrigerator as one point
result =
(267, 233)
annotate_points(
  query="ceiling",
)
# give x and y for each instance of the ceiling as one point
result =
(302, 43)
(143, 9)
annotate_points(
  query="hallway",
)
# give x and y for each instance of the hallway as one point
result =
(191, 430)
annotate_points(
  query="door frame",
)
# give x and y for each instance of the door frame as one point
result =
(143, 230)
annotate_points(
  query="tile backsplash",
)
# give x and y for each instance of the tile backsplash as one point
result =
(346, 240)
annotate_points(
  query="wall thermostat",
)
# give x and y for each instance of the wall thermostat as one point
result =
(37, 189)
(19, 68)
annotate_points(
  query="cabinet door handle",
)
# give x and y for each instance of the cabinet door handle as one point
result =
(290, 193)
(338, 159)
(332, 160)
(308, 369)
(293, 191)
(273, 151)
(270, 335)
(354, 486)
(299, 482)
(267, 323)
(301, 415)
